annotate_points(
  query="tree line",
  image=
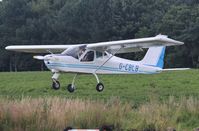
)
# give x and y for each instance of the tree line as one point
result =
(26, 22)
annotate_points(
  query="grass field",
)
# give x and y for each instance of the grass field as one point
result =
(128, 101)
(131, 88)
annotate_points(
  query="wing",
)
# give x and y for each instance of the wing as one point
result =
(125, 46)
(38, 48)
(134, 45)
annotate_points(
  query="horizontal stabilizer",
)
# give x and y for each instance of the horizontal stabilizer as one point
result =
(175, 69)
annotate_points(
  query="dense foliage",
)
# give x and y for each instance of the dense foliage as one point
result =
(84, 21)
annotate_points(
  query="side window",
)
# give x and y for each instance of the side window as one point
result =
(89, 56)
(99, 54)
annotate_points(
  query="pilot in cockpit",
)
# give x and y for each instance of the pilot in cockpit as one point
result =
(81, 51)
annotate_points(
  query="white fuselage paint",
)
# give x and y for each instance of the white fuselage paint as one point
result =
(114, 65)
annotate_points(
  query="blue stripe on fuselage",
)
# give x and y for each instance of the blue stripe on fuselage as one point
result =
(54, 65)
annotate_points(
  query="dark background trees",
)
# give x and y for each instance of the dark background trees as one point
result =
(84, 21)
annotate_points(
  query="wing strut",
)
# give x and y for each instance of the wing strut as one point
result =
(108, 59)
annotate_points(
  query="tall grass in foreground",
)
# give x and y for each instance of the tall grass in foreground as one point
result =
(52, 114)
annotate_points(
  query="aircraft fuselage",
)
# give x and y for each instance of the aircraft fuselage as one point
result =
(115, 65)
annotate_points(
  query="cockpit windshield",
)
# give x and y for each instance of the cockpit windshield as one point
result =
(75, 52)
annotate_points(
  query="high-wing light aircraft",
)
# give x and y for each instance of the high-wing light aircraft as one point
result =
(99, 58)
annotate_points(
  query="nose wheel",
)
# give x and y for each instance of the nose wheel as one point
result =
(56, 85)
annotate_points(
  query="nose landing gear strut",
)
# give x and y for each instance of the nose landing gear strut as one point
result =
(55, 84)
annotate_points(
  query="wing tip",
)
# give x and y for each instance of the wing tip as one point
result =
(161, 37)
(7, 47)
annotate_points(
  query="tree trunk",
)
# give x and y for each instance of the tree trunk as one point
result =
(42, 66)
(15, 63)
(10, 65)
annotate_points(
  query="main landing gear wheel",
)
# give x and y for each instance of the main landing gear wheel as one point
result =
(56, 85)
(100, 87)
(71, 88)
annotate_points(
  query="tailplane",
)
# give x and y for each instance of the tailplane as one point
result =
(176, 69)
(154, 57)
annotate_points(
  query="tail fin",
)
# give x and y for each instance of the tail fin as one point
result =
(154, 57)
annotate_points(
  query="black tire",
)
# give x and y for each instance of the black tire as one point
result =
(71, 88)
(56, 85)
(100, 87)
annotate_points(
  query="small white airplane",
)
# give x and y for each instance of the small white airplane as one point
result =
(99, 58)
